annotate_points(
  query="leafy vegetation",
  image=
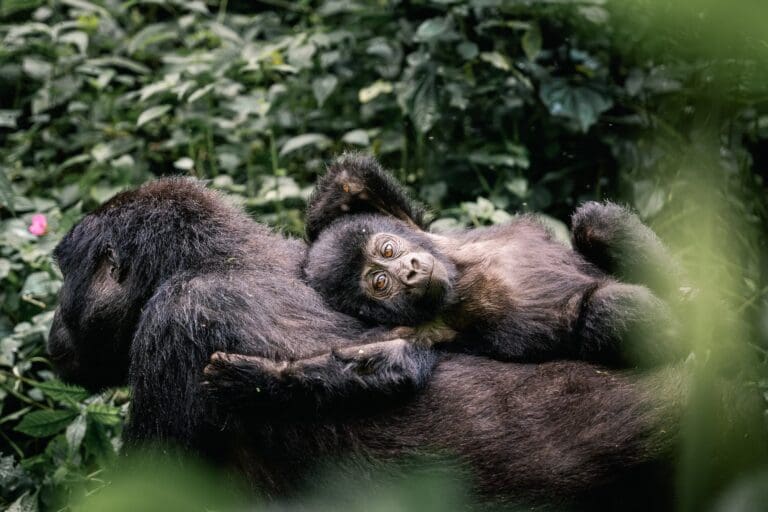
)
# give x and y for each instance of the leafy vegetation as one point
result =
(484, 107)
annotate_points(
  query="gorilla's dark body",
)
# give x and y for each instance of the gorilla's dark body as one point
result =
(509, 291)
(161, 277)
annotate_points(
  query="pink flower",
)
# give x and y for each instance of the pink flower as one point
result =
(39, 225)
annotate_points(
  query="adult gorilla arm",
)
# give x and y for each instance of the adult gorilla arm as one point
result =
(554, 432)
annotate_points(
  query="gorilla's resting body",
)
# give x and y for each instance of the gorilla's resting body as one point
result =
(510, 291)
(159, 278)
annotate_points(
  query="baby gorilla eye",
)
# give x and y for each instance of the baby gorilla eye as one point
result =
(380, 281)
(388, 249)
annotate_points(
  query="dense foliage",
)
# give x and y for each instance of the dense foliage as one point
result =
(484, 107)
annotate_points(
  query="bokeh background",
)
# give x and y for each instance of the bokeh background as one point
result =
(485, 108)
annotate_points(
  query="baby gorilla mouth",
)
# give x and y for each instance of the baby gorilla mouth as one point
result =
(436, 283)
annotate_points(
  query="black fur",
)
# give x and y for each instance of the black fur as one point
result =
(161, 277)
(368, 189)
(513, 292)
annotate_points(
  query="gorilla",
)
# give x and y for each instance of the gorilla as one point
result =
(160, 278)
(510, 291)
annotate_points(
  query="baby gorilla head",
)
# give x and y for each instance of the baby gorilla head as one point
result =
(380, 269)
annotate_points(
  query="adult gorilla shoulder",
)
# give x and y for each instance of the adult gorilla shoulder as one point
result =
(161, 277)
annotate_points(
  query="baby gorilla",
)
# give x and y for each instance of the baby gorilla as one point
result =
(513, 290)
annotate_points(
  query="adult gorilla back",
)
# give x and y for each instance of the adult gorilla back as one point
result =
(161, 277)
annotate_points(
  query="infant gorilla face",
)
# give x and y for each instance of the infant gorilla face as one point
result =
(395, 266)
(380, 269)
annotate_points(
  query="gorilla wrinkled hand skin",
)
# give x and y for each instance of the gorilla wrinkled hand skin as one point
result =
(160, 278)
(510, 291)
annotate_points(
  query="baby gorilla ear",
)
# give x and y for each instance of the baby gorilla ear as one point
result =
(356, 183)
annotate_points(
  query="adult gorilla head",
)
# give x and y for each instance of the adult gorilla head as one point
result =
(115, 259)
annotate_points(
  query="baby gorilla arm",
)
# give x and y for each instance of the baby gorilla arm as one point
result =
(356, 183)
(349, 375)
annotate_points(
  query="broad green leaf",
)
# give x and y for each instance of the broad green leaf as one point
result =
(77, 38)
(594, 13)
(152, 113)
(40, 285)
(150, 35)
(76, 432)
(468, 50)
(649, 198)
(62, 392)
(418, 96)
(200, 93)
(323, 87)
(581, 104)
(308, 139)
(8, 7)
(497, 60)
(499, 160)
(518, 186)
(184, 163)
(8, 118)
(119, 62)
(374, 90)
(6, 191)
(434, 29)
(45, 423)
(36, 68)
(532, 42)
(357, 137)
(27, 502)
(104, 413)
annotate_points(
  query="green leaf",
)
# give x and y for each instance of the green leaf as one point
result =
(357, 137)
(499, 160)
(308, 139)
(27, 502)
(150, 35)
(581, 104)
(434, 29)
(531, 42)
(75, 433)
(6, 191)
(496, 60)
(468, 50)
(40, 285)
(374, 90)
(8, 118)
(323, 87)
(45, 423)
(104, 414)
(649, 199)
(184, 163)
(8, 7)
(152, 113)
(62, 392)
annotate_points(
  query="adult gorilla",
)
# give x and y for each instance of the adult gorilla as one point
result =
(161, 277)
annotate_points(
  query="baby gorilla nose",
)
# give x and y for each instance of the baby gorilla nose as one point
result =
(418, 270)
